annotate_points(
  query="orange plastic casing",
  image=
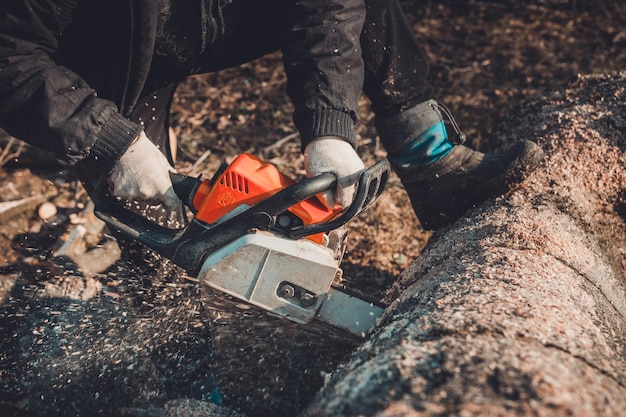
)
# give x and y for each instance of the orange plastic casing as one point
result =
(249, 180)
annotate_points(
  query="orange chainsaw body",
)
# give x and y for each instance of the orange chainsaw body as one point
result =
(249, 180)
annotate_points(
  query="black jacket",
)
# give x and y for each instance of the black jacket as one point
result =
(72, 71)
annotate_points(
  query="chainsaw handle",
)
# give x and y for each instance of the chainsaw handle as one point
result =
(187, 247)
(370, 186)
(185, 188)
(121, 219)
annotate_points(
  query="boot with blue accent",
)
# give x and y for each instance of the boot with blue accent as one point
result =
(444, 179)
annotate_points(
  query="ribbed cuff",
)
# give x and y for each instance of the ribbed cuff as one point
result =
(65, 11)
(116, 135)
(327, 122)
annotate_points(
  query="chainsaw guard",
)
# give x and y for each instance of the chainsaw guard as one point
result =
(284, 277)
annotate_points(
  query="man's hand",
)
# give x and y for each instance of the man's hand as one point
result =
(143, 173)
(333, 154)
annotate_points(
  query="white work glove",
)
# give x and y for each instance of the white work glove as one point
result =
(333, 154)
(143, 173)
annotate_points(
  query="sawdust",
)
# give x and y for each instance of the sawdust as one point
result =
(143, 340)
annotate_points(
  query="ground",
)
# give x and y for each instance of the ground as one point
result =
(487, 58)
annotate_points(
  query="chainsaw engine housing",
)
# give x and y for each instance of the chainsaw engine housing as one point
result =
(283, 276)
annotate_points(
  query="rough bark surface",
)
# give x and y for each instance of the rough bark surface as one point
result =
(518, 309)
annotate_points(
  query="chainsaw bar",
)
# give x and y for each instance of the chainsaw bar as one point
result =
(349, 311)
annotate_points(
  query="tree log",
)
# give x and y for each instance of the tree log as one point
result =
(519, 308)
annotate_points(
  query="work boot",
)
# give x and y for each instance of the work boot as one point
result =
(444, 179)
(442, 192)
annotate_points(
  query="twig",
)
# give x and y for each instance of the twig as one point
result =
(9, 209)
(193, 171)
(281, 142)
(7, 155)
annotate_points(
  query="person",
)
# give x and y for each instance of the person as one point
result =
(93, 82)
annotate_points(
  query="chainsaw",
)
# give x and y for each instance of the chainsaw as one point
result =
(264, 239)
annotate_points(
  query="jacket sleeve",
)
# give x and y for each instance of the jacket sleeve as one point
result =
(48, 105)
(324, 66)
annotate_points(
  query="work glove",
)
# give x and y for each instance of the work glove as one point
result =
(143, 173)
(333, 154)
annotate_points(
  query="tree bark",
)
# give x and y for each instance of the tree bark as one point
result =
(519, 308)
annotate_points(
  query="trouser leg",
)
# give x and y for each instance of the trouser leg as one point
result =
(153, 114)
(442, 179)
(396, 68)
(396, 82)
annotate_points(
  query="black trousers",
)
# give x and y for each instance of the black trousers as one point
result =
(396, 69)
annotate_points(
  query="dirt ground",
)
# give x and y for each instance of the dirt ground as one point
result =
(122, 341)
